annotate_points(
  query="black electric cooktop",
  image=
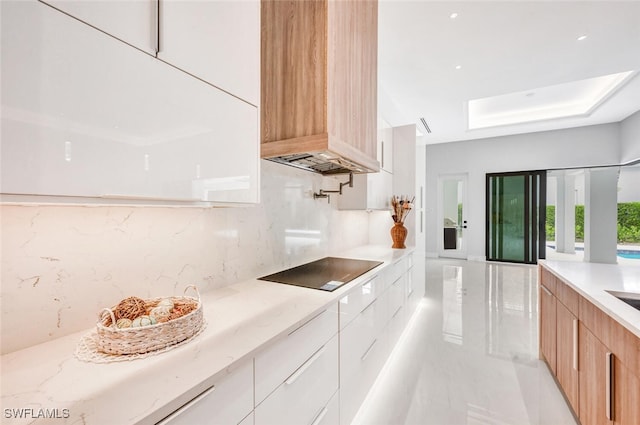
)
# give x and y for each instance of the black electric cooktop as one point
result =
(327, 274)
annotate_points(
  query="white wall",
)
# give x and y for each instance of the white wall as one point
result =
(62, 264)
(577, 147)
(630, 139)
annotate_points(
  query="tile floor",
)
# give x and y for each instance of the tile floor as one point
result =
(469, 355)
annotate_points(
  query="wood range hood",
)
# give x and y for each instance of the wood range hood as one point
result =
(319, 84)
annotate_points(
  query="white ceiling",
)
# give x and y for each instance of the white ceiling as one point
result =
(501, 47)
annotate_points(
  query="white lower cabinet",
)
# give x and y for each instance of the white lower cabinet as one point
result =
(362, 354)
(303, 396)
(321, 372)
(227, 402)
(277, 363)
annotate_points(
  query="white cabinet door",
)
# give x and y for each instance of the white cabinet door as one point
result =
(370, 191)
(133, 22)
(227, 402)
(358, 299)
(362, 353)
(275, 364)
(90, 120)
(304, 395)
(217, 41)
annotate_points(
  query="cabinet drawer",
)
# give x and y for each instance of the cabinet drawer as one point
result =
(548, 280)
(397, 269)
(228, 401)
(277, 363)
(359, 299)
(361, 359)
(396, 296)
(567, 296)
(395, 327)
(304, 394)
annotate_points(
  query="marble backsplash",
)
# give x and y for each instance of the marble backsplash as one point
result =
(62, 264)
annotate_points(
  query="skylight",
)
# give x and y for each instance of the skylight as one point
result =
(577, 98)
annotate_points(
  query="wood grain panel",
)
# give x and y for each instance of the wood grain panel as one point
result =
(623, 343)
(293, 69)
(592, 366)
(567, 375)
(567, 296)
(315, 143)
(547, 279)
(626, 405)
(596, 321)
(352, 75)
(548, 328)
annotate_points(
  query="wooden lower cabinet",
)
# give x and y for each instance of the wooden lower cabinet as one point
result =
(593, 379)
(548, 327)
(604, 386)
(626, 395)
(566, 354)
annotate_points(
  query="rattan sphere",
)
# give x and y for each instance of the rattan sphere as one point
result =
(130, 308)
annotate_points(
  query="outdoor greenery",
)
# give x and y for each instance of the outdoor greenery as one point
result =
(628, 222)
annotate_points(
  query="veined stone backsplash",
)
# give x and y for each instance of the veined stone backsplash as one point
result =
(62, 264)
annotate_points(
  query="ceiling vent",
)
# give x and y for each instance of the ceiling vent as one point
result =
(426, 126)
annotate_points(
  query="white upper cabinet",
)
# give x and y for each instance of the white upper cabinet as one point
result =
(131, 21)
(217, 41)
(88, 119)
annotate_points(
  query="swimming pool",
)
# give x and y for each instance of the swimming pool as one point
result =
(626, 253)
(623, 253)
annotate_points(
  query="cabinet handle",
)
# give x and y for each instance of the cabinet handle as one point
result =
(575, 344)
(396, 313)
(366, 353)
(367, 307)
(382, 143)
(609, 384)
(320, 416)
(202, 395)
(158, 26)
(421, 220)
(295, 375)
(546, 291)
(306, 323)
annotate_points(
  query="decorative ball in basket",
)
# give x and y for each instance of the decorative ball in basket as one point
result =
(137, 326)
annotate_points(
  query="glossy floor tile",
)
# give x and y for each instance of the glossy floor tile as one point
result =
(469, 354)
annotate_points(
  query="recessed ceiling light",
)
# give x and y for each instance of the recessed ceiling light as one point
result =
(458, 66)
(582, 37)
(454, 15)
(574, 99)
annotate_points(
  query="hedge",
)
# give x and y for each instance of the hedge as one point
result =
(628, 222)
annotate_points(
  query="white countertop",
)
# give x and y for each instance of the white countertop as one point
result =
(241, 319)
(592, 280)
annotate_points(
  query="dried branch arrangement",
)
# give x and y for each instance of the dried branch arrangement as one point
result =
(400, 207)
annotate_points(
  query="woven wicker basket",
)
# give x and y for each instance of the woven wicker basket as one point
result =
(112, 340)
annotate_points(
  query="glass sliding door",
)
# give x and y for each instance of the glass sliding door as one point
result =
(516, 211)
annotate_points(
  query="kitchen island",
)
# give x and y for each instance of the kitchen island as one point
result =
(590, 339)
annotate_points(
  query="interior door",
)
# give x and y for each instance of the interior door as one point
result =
(516, 212)
(452, 216)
